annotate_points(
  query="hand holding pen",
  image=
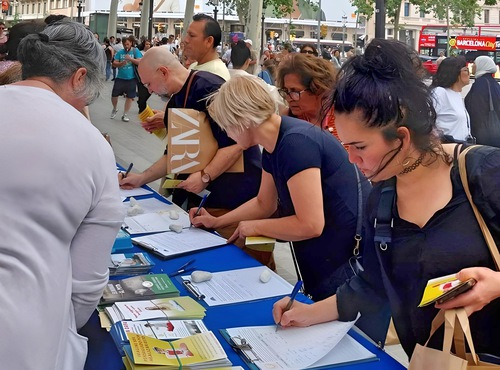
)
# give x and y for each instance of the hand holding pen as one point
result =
(295, 291)
(125, 174)
(194, 213)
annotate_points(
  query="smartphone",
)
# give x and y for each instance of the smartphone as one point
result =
(459, 289)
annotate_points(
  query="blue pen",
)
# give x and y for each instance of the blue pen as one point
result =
(201, 205)
(295, 291)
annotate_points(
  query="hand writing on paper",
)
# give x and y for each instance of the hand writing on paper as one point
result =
(204, 218)
(487, 288)
(133, 180)
(193, 183)
(244, 229)
(155, 122)
(297, 315)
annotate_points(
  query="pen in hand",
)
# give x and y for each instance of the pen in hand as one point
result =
(124, 175)
(295, 291)
(199, 207)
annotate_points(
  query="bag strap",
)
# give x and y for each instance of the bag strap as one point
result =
(384, 221)
(189, 88)
(359, 221)
(484, 228)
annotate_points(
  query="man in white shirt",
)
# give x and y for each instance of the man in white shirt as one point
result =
(202, 38)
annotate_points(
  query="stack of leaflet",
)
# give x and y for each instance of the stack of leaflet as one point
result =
(139, 288)
(179, 308)
(159, 329)
(200, 351)
(129, 264)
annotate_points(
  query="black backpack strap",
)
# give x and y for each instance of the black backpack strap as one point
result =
(384, 221)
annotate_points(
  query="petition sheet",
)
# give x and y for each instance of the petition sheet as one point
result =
(171, 244)
(241, 285)
(300, 348)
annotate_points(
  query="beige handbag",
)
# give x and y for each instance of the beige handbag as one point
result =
(456, 320)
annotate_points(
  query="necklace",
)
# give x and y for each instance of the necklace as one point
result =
(415, 164)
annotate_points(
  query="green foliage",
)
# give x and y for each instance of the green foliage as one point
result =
(460, 12)
(280, 8)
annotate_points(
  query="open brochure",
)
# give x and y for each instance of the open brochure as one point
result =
(313, 347)
(195, 352)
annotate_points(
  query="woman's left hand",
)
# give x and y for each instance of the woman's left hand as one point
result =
(486, 289)
(245, 228)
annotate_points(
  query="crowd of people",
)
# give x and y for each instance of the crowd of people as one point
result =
(323, 145)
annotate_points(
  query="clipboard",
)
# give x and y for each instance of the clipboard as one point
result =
(244, 350)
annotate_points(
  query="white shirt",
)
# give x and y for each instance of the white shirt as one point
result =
(60, 213)
(452, 117)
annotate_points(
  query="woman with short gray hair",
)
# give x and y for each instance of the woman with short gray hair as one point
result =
(56, 239)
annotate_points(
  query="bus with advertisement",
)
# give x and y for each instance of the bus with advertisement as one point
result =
(467, 41)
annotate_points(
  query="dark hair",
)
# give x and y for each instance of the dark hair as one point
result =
(132, 39)
(386, 86)
(55, 18)
(212, 27)
(164, 40)
(240, 53)
(20, 31)
(302, 48)
(448, 71)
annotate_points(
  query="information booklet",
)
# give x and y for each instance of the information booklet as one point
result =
(442, 287)
(129, 264)
(159, 329)
(313, 347)
(139, 288)
(180, 308)
(200, 351)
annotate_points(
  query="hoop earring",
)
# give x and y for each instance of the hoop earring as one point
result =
(406, 162)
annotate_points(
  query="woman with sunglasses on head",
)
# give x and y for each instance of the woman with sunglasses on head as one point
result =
(307, 183)
(385, 113)
(306, 83)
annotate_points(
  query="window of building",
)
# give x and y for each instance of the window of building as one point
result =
(44, 8)
(390, 31)
(407, 10)
(486, 16)
(22, 9)
(33, 8)
(65, 3)
(39, 8)
(422, 14)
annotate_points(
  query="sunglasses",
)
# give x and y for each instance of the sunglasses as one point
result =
(307, 52)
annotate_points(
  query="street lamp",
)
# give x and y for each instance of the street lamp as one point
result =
(214, 3)
(79, 7)
(263, 20)
(344, 19)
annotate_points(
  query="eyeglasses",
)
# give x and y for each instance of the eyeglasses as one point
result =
(294, 95)
(307, 52)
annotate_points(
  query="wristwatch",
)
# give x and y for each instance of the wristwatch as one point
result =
(205, 177)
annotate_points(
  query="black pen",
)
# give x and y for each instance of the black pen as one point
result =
(124, 175)
(295, 291)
